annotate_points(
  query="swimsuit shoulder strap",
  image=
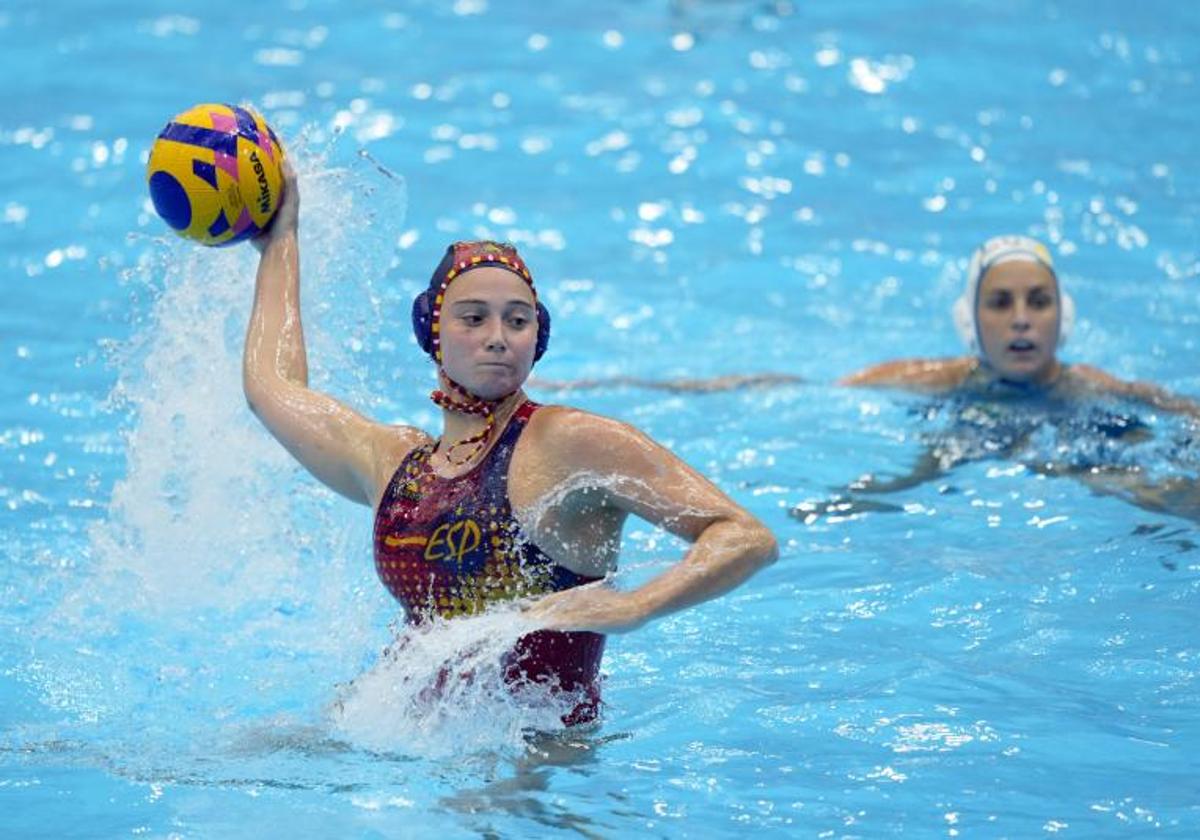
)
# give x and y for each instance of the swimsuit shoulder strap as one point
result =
(496, 462)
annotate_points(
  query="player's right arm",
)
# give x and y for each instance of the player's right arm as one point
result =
(343, 449)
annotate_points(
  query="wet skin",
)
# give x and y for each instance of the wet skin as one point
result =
(488, 332)
(1018, 318)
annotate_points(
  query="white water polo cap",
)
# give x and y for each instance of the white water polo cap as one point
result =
(997, 250)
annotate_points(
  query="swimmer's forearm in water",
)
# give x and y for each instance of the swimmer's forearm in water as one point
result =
(1162, 399)
(929, 467)
(845, 503)
(1099, 381)
(928, 375)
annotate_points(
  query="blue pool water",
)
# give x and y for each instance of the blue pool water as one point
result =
(702, 188)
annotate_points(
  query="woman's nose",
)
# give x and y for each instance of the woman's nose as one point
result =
(1021, 316)
(495, 336)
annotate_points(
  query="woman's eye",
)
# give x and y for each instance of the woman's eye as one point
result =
(998, 302)
(1040, 301)
(473, 320)
(518, 322)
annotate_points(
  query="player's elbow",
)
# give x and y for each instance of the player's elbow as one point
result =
(254, 390)
(760, 548)
(768, 546)
(263, 392)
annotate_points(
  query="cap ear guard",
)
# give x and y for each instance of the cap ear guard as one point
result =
(1066, 316)
(964, 323)
(543, 336)
(422, 323)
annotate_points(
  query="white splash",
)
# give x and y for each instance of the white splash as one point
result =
(223, 580)
(440, 689)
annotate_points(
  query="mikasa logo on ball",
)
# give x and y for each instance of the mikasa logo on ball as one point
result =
(264, 191)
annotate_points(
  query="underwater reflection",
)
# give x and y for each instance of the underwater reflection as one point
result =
(521, 789)
(1106, 446)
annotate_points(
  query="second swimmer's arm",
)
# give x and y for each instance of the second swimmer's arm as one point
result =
(1144, 391)
(914, 374)
(730, 382)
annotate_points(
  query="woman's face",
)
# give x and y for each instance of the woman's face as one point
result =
(1018, 320)
(488, 331)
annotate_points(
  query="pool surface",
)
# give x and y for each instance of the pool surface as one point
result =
(191, 628)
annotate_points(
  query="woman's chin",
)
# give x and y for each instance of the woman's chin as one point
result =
(487, 384)
(1028, 371)
(493, 389)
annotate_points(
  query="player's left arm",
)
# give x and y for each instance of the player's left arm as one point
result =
(638, 476)
(1146, 392)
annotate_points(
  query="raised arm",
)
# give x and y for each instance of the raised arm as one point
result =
(633, 474)
(340, 447)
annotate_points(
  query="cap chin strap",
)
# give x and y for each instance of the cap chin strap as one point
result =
(464, 402)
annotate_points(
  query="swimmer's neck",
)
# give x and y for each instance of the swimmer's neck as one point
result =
(458, 425)
(1043, 380)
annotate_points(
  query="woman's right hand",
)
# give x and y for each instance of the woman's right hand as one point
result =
(287, 215)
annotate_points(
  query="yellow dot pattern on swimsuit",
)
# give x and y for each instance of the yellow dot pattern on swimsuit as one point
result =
(451, 547)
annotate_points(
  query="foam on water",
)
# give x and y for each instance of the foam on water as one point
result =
(440, 690)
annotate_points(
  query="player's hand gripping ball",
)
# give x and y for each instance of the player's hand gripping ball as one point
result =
(215, 174)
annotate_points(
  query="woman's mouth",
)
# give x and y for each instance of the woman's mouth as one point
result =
(1021, 346)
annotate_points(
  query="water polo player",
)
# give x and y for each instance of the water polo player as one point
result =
(512, 500)
(1013, 315)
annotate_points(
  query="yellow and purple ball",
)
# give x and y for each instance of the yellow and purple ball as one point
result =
(215, 174)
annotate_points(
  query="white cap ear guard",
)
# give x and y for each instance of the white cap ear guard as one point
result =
(997, 250)
(963, 313)
(1066, 315)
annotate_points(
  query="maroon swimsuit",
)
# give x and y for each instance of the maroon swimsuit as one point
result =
(450, 547)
